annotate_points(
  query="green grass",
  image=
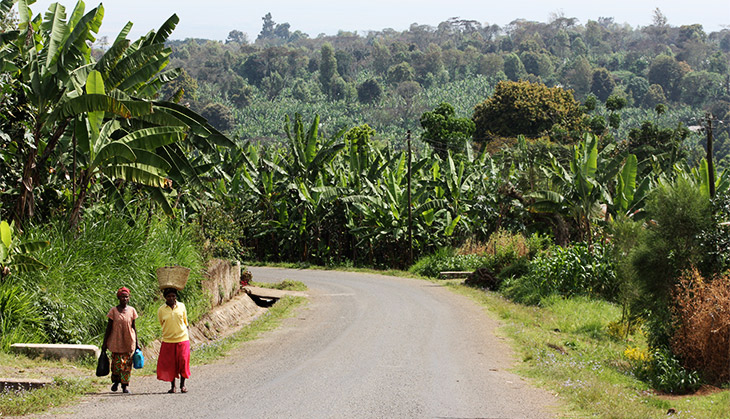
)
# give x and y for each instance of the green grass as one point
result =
(72, 380)
(86, 268)
(591, 376)
(270, 320)
(62, 391)
(286, 285)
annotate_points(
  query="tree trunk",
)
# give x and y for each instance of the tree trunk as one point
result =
(76, 212)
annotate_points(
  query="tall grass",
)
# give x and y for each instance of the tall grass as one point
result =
(86, 269)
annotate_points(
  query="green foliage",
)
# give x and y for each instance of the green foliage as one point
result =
(679, 213)
(665, 373)
(445, 132)
(526, 108)
(577, 270)
(602, 84)
(86, 269)
(445, 260)
(218, 115)
(327, 68)
(370, 91)
(20, 317)
(15, 255)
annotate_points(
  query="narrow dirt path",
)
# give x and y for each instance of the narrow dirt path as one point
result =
(366, 346)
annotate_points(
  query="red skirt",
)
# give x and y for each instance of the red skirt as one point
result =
(174, 361)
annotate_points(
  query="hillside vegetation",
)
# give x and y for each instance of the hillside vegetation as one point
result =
(564, 164)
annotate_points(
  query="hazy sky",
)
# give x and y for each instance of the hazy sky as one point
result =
(214, 19)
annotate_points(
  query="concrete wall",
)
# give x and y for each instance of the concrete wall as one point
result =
(222, 281)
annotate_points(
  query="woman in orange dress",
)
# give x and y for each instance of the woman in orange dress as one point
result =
(121, 340)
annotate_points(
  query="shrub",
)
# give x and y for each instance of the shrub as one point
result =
(679, 213)
(702, 312)
(665, 373)
(531, 109)
(445, 260)
(576, 270)
(20, 319)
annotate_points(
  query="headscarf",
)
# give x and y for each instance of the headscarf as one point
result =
(123, 290)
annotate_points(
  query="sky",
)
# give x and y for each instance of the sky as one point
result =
(214, 19)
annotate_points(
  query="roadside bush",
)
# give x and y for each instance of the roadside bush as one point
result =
(679, 212)
(446, 260)
(20, 320)
(576, 270)
(665, 373)
(506, 253)
(702, 311)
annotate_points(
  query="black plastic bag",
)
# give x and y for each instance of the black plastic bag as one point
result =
(102, 365)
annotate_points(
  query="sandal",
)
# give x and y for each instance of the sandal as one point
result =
(172, 390)
(183, 389)
(115, 386)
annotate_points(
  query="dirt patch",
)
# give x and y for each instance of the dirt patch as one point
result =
(705, 390)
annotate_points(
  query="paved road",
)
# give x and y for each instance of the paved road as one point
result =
(366, 346)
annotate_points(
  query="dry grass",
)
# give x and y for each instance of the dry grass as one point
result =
(702, 310)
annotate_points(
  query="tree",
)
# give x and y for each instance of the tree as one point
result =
(667, 73)
(661, 146)
(80, 108)
(526, 108)
(444, 131)
(576, 192)
(602, 84)
(369, 91)
(537, 63)
(637, 88)
(300, 91)
(401, 72)
(579, 76)
(700, 87)
(654, 96)
(513, 67)
(267, 30)
(327, 67)
(218, 115)
(237, 37)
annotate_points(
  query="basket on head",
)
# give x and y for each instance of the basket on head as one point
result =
(172, 277)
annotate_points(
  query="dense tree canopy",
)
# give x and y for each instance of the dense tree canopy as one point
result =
(524, 108)
(445, 132)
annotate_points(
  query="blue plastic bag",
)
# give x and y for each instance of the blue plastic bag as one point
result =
(138, 359)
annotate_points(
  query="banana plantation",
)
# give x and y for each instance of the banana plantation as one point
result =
(86, 137)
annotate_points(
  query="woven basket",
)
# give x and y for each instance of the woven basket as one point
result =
(172, 277)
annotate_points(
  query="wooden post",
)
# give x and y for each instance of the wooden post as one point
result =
(410, 221)
(710, 162)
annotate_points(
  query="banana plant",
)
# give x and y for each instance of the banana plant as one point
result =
(15, 255)
(309, 151)
(48, 51)
(575, 193)
(630, 195)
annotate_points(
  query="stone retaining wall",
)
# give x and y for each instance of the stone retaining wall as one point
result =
(223, 281)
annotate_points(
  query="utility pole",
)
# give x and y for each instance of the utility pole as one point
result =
(410, 221)
(710, 162)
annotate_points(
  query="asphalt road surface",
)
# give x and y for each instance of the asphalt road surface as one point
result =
(366, 346)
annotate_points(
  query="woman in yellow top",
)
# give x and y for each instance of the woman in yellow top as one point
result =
(174, 359)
